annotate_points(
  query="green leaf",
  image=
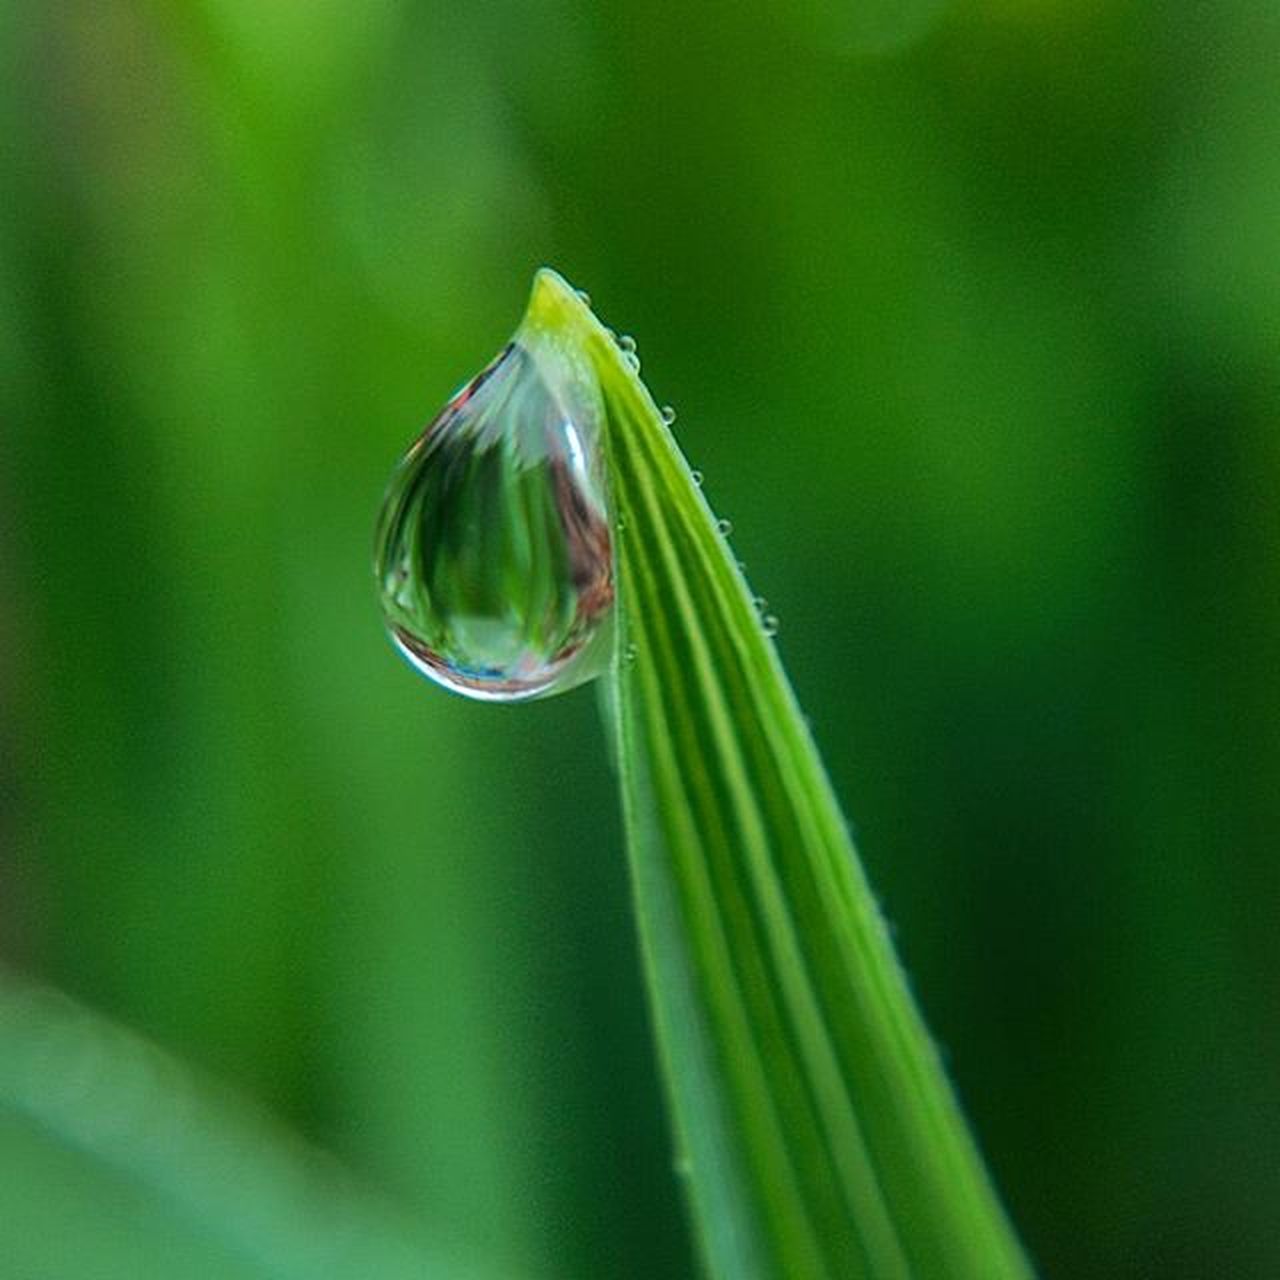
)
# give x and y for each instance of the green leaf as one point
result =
(816, 1128)
(130, 1166)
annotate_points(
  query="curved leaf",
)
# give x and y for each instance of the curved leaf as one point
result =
(131, 1166)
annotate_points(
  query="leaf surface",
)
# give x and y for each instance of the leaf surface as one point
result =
(816, 1129)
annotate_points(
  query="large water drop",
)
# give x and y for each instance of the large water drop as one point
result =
(494, 557)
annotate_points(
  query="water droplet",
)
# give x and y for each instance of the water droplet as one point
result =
(629, 654)
(626, 342)
(724, 526)
(583, 296)
(770, 624)
(668, 414)
(633, 361)
(759, 603)
(620, 523)
(493, 557)
(696, 477)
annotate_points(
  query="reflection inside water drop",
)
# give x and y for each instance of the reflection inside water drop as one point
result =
(493, 557)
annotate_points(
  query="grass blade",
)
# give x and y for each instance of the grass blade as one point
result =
(127, 1158)
(816, 1128)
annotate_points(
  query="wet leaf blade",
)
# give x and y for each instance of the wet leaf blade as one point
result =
(817, 1130)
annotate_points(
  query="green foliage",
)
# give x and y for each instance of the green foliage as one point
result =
(130, 1167)
(969, 311)
(816, 1130)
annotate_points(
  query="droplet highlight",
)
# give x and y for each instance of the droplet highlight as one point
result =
(668, 414)
(724, 527)
(494, 557)
(696, 477)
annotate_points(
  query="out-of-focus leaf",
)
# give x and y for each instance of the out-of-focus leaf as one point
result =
(132, 1167)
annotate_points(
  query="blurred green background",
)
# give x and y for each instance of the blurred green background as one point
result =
(971, 314)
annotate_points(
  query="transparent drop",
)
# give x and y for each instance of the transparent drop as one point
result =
(633, 361)
(627, 343)
(724, 527)
(696, 477)
(770, 624)
(759, 603)
(494, 557)
(583, 296)
(668, 414)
